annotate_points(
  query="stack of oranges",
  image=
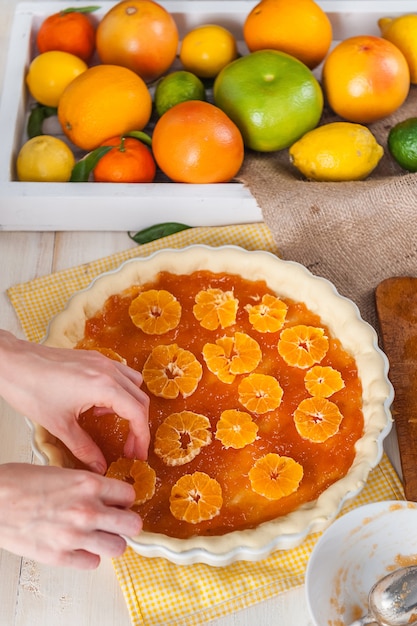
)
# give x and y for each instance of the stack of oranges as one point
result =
(98, 75)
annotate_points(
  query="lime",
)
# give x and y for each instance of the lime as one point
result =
(177, 87)
(402, 143)
(272, 98)
(45, 159)
(340, 151)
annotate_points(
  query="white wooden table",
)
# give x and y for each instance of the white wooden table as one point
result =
(32, 594)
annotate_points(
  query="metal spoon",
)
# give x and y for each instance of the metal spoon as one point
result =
(393, 599)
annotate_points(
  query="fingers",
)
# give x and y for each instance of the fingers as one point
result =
(83, 448)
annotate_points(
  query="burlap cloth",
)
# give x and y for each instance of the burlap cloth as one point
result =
(356, 233)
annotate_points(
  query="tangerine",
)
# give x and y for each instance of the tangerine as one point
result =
(155, 311)
(302, 346)
(323, 381)
(104, 101)
(230, 356)
(195, 498)
(170, 371)
(70, 31)
(260, 393)
(129, 161)
(196, 142)
(317, 419)
(180, 437)
(140, 473)
(269, 315)
(140, 35)
(365, 78)
(274, 476)
(215, 307)
(300, 28)
(236, 429)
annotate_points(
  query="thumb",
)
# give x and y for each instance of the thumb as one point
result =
(84, 449)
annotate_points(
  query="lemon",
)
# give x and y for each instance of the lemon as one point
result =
(402, 32)
(49, 74)
(177, 87)
(45, 159)
(402, 143)
(340, 151)
(207, 49)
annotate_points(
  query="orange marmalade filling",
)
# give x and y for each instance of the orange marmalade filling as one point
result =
(254, 407)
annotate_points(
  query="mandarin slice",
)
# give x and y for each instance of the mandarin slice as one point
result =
(170, 371)
(230, 356)
(155, 311)
(302, 346)
(260, 393)
(236, 429)
(195, 498)
(269, 315)
(138, 473)
(215, 307)
(274, 476)
(323, 381)
(180, 437)
(317, 419)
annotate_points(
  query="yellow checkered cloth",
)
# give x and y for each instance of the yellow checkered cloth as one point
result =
(157, 592)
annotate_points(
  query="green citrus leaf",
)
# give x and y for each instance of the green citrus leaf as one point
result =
(80, 10)
(139, 134)
(38, 114)
(82, 170)
(158, 231)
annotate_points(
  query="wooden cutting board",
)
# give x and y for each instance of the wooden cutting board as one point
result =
(396, 304)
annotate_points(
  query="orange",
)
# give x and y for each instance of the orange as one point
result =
(323, 381)
(317, 419)
(260, 393)
(230, 356)
(69, 31)
(155, 311)
(303, 346)
(195, 498)
(236, 429)
(272, 98)
(180, 437)
(269, 315)
(365, 78)
(130, 161)
(170, 371)
(104, 101)
(215, 307)
(300, 28)
(196, 142)
(138, 34)
(402, 32)
(274, 476)
(140, 473)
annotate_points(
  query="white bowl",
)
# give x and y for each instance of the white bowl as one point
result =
(342, 317)
(353, 554)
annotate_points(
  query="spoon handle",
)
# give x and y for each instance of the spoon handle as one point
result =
(366, 619)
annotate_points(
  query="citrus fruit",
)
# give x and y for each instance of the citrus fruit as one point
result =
(402, 32)
(45, 159)
(170, 371)
(155, 311)
(70, 31)
(177, 87)
(140, 35)
(271, 96)
(50, 73)
(215, 308)
(180, 437)
(317, 419)
(323, 381)
(260, 393)
(195, 498)
(269, 315)
(206, 49)
(274, 476)
(230, 356)
(236, 429)
(139, 472)
(336, 152)
(303, 346)
(365, 78)
(129, 161)
(402, 143)
(300, 28)
(196, 142)
(104, 101)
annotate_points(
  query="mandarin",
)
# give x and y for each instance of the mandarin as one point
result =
(196, 142)
(300, 28)
(140, 35)
(129, 161)
(69, 31)
(104, 101)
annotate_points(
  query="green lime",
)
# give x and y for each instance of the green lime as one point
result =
(177, 87)
(402, 143)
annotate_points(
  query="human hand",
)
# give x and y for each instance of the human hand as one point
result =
(53, 386)
(64, 517)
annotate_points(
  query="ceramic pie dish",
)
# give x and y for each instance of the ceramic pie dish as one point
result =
(293, 284)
